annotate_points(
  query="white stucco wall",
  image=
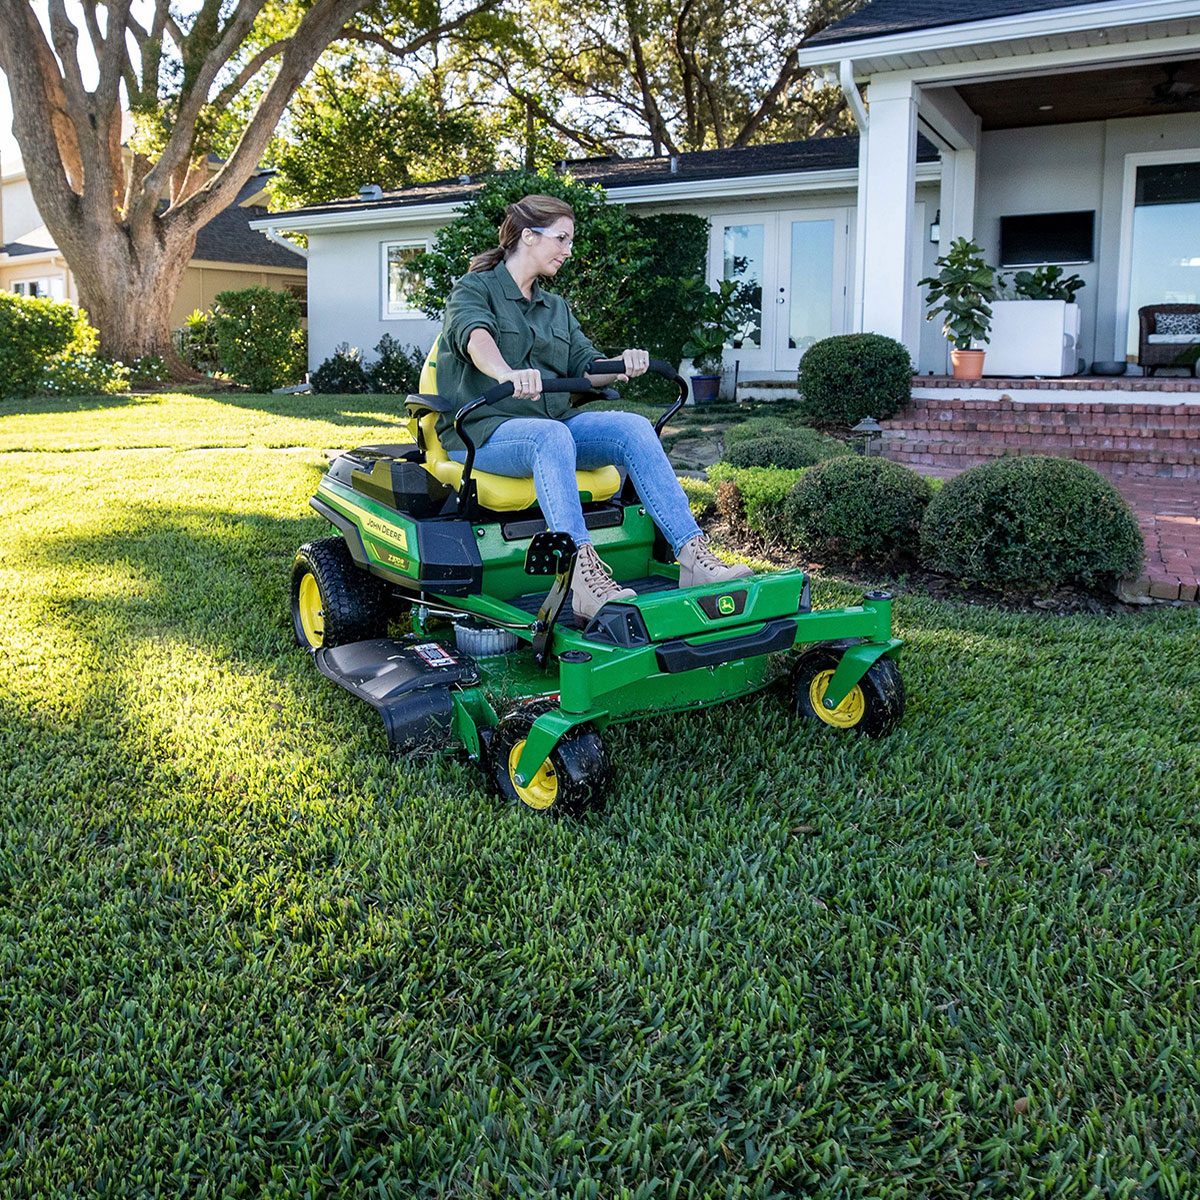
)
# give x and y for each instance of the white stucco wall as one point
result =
(1068, 168)
(346, 291)
(20, 214)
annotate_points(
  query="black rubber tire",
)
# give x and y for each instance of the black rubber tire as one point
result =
(356, 606)
(579, 762)
(882, 693)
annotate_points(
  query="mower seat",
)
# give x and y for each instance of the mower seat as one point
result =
(500, 493)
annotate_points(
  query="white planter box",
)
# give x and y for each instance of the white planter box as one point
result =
(1033, 337)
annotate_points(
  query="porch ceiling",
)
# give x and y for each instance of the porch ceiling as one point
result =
(1149, 89)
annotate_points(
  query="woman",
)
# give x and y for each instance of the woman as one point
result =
(502, 327)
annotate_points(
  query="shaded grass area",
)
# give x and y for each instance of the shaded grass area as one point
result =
(244, 953)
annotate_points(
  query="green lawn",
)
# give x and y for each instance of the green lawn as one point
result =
(243, 953)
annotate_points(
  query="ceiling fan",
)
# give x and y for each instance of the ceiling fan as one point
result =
(1174, 92)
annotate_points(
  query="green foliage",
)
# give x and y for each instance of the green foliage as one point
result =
(34, 331)
(854, 375)
(148, 369)
(605, 280)
(196, 342)
(701, 496)
(674, 290)
(1047, 283)
(961, 290)
(342, 374)
(719, 316)
(398, 368)
(259, 339)
(78, 373)
(759, 427)
(856, 509)
(754, 496)
(354, 123)
(795, 447)
(1031, 522)
(248, 953)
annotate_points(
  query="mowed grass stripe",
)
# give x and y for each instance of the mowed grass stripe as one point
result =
(243, 952)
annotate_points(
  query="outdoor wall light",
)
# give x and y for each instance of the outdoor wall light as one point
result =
(935, 229)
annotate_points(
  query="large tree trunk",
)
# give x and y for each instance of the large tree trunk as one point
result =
(128, 287)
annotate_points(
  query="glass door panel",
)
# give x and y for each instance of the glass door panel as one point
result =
(1165, 245)
(743, 264)
(810, 313)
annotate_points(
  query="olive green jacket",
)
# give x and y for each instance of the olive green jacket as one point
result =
(541, 333)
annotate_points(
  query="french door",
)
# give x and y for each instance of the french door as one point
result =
(791, 272)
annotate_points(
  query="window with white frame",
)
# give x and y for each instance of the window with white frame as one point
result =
(398, 280)
(50, 285)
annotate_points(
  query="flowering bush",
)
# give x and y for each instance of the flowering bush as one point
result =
(150, 368)
(78, 374)
(34, 330)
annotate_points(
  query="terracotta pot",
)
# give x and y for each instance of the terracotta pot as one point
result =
(967, 364)
(705, 388)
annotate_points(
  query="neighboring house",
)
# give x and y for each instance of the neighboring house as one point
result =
(1084, 116)
(228, 254)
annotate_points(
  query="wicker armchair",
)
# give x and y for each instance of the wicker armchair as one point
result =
(1153, 356)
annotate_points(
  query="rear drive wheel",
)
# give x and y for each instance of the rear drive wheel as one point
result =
(874, 706)
(575, 779)
(335, 601)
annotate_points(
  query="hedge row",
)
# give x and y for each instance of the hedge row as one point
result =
(1016, 525)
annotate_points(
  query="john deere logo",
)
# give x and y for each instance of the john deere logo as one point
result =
(726, 606)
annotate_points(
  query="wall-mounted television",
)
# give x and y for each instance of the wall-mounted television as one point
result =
(1031, 241)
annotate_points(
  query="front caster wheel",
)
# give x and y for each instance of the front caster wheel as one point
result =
(874, 706)
(575, 778)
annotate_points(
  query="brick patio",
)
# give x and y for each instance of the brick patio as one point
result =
(1143, 434)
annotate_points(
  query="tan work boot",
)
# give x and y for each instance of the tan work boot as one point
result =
(698, 565)
(592, 584)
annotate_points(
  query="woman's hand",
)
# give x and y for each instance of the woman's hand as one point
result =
(637, 362)
(526, 384)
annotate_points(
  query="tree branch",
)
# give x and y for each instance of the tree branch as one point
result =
(225, 96)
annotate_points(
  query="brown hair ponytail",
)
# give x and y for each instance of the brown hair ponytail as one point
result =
(531, 212)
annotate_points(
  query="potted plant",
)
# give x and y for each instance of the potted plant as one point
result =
(963, 289)
(1035, 324)
(717, 322)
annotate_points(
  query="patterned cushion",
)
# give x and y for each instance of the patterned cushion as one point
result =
(1177, 323)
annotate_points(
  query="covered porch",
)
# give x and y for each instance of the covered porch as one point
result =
(1082, 118)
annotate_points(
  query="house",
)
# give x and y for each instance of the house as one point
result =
(781, 216)
(228, 253)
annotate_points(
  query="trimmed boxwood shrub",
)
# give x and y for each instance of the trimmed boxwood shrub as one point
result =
(797, 447)
(1031, 522)
(858, 509)
(259, 339)
(854, 375)
(753, 495)
(758, 427)
(701, 495)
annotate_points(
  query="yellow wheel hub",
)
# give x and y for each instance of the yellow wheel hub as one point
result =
(847, 714)
(312, 614)
(542, 790)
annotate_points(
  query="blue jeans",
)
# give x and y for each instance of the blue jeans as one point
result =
(550, 451)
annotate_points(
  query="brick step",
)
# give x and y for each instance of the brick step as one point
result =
(1050, 442)
(948, 456)
(1050, 422)
(1050, 419)
(1004, 404)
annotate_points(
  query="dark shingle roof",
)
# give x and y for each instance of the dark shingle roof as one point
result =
(883, 17)
(229, 238)
(813, 154)
(17, 249)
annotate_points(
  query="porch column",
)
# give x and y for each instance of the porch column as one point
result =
(957, 198)
(886, 189)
